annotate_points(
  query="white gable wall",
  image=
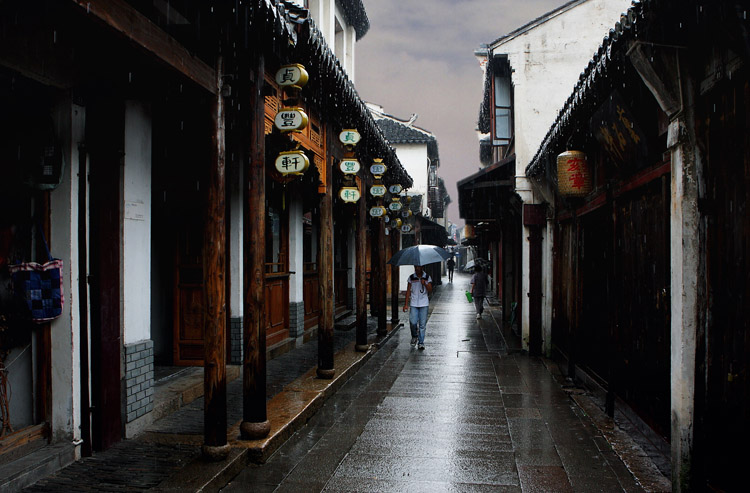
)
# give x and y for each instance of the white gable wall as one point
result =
(547, 60)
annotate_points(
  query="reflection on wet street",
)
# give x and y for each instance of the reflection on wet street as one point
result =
(463, 415)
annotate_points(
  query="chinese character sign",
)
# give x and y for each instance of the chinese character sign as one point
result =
(615, 129)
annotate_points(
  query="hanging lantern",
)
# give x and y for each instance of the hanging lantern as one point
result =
(406, 228)
(377, 190)
(294, 76)
(291, 120)
(378, 169)
(349, 166)
(573, 176)
(395, 189)
(349, 194)
(395, 206)
(292, 162)
(378, 211)
(406, 213)
(349, 137)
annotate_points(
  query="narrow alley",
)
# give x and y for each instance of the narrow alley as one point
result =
(465, 414)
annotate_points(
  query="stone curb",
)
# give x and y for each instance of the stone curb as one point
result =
(303, 397)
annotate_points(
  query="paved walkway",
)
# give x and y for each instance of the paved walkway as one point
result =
(469, 413)
(462, 415)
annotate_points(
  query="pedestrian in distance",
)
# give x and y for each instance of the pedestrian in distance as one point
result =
(479, 289)
(418, 291)
(450, 264)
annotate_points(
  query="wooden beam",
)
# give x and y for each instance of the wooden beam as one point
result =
(255, 422)
(214, 291)
(136, 27)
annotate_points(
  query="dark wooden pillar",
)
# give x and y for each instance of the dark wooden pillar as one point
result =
(395, 236)
(325, 276)
(361, 271)
(254, 417)
(214, 292)
(534, 218)
(382, 286)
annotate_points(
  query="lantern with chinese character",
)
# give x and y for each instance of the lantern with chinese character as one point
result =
(395, 206)
(291, 120)
(349, 137)
(378, 211)
(573, 176)
(377, 190)
(349, 194)
(293, 76)
(292, 163)
(378, 169)
(349, 166)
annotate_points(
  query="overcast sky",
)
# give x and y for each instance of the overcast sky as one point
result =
(418, 57)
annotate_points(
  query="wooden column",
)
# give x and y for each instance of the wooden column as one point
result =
(395, 236)
(325, 276)
(361, 270)
(214, 292)
(254, 416)
(382, 286)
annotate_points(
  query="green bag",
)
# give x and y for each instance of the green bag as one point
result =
(469, 297)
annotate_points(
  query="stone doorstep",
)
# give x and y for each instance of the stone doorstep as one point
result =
(288, 411)
(38, 464)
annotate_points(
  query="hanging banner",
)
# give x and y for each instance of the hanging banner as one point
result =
(292, 163)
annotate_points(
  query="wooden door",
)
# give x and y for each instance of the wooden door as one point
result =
(188, 299)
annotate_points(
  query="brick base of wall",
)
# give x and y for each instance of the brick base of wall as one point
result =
(351, 300)
(296, 319)
(139, 379)
(235, 340)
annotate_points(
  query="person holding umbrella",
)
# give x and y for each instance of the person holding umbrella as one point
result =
(418, 292)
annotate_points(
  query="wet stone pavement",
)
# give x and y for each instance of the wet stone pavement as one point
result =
(465, 414)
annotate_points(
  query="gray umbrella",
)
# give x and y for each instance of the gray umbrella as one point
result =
(419, 255)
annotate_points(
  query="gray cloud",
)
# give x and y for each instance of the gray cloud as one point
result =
(418, 57)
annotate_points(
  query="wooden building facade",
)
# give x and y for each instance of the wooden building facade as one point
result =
(650, 278)
(138, 140)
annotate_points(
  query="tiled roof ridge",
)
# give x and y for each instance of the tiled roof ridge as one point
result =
(536, 22)
(404, 123)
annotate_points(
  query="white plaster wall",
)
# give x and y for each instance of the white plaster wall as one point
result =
(296, 260)
(63, 243)
(547, 61)
(413, 157)
(236, 202)
(136, 224)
